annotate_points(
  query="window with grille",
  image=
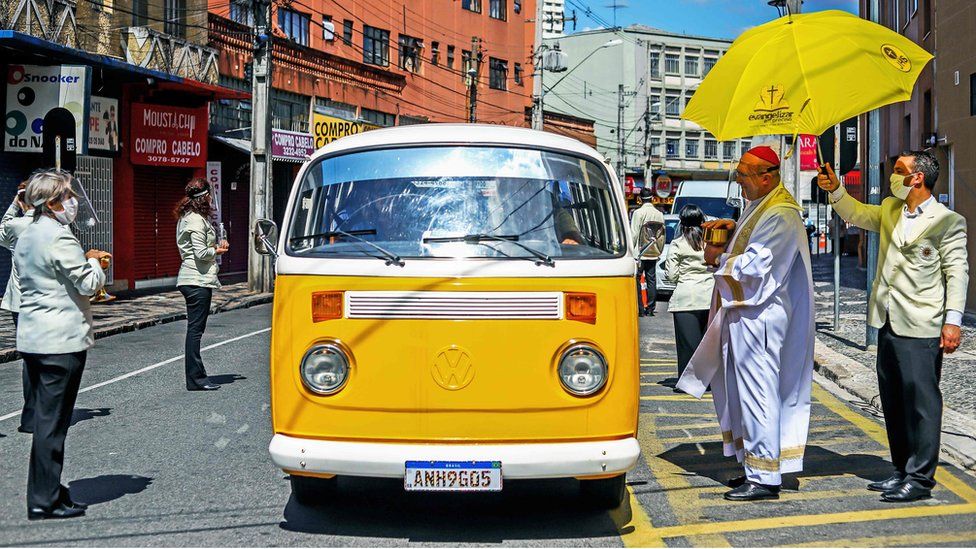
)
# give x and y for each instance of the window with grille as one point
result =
(691, 66)
(377, 117)
(655, 61)
(691, 147)
(435, 53)
(347, 31)
(711, 149)
(707, 66)
(471, 5)
(328, 29)
(672, 64)
(497, 9)
(410, 53)
(671, 147)
(174, 13)
(728, 150)
(376, 46)
(671, 105)
(289, 111)
(517, 6)
(240, 12)
(294, 24)
(518, 74)
(497, 74)
(140, 13)
(450, 57)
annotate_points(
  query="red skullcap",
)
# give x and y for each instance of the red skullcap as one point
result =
(765, 153)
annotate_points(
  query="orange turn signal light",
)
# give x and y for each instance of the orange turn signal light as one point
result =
(326, 306)
(581, 307)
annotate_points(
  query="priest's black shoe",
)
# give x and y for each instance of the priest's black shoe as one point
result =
(907, 491)
(207, 387)
(887, 484)
(737, 481)
(59, 512)
(751, 491)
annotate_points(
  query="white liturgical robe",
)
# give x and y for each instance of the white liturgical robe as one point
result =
(757, 353)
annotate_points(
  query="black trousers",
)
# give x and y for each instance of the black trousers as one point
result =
(197, 311)
(55, 380)
(27, 414)
(909, 369)
(689, 328)
(647, 266)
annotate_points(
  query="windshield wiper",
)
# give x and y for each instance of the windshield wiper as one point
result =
(388, 256)
(477, 238)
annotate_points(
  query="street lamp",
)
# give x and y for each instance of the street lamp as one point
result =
(539, 100)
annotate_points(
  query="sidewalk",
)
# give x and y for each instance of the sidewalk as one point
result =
(140, 310)
(841, 356)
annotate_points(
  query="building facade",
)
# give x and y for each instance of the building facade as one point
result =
(553, 23)
(135, 67)
(635, 91)
(941, 115)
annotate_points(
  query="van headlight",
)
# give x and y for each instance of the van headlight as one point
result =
(582, 370)
(325, 368)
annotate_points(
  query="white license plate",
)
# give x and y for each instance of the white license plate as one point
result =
(453, 476)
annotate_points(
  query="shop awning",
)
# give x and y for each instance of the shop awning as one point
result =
(18, 47)
(244, 146)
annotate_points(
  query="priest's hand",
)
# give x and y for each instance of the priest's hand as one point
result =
(713, 253)
(951, 338)
(827, 179)
(726, 224)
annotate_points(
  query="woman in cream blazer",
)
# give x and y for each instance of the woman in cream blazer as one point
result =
(197, 241)
(54, 331)
(685, 267)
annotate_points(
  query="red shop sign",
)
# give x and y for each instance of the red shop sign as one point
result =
(168, 136)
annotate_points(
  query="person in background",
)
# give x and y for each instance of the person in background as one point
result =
(55, 331)
(197, 241)
(685, 267)
(14, 221)
(647, 227)
(916, 303)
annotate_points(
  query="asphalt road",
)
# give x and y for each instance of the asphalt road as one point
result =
(163, 466)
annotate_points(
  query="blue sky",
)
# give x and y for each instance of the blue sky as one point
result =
(712, 18)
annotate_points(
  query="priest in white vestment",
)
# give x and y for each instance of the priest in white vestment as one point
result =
(757, 353)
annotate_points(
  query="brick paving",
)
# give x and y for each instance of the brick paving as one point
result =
(137, 310)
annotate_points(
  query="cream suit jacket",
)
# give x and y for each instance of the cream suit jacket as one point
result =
(55, 283)
(694, 282)
(918, 277)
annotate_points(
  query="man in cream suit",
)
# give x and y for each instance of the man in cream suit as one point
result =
(917, 301)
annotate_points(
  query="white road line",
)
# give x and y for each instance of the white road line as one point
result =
(153, 367)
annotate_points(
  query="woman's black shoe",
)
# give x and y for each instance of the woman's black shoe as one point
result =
(207, 387)
(59, 512)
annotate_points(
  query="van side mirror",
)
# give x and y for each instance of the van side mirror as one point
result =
(265, 233)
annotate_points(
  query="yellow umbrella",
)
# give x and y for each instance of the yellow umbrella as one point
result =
(803, 74)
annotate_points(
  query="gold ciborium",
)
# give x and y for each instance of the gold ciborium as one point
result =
(102, 296)
(716, 237)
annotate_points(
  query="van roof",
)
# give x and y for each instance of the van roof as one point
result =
(715, 188)
(463, 134)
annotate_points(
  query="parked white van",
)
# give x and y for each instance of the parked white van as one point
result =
(717, 199)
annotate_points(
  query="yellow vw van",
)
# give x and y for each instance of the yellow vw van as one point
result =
(454, 307)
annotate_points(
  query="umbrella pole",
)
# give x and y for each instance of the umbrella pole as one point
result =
(837, 222)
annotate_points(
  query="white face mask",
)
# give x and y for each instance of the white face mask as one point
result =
(898, 188)
(69, 213)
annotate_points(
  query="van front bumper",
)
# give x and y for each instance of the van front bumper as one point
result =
(519, 460)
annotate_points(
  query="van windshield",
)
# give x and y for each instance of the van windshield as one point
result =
(456, 202)
(712, 206)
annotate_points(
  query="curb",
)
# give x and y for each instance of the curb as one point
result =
(233, 304)
(861, 381)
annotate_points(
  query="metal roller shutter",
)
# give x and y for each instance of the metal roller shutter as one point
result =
(157, 192)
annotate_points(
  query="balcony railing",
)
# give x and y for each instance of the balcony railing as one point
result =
(146, 47)
(51, 20)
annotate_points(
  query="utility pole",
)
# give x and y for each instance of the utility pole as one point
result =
(620, 133)
(537, 68)
(874, 188)
(473, 81)
(259, 266)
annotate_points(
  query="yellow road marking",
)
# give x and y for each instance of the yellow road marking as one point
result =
(877, 432)
(723, 462)
(676, 397)
(793, 521)
(665, 413)
(787, 497)
(661, 373)
(636, 529)
(911, 540)
(673, 482)
(713, 424)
